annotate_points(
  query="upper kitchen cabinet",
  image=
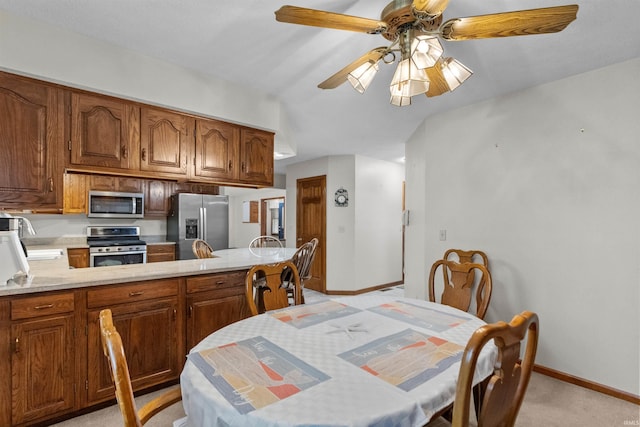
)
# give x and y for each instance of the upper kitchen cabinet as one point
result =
(256, 157)
(233, 154)
(31, 131)
(105, 132)
(165, 139)
(216, 150)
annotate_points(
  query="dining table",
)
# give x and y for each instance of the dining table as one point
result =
(365, 360)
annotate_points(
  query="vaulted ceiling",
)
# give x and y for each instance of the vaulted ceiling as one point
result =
(240, 41)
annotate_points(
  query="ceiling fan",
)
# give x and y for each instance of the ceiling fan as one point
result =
(414, 28)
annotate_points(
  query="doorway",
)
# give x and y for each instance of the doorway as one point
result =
(311, 221)
(272, 218)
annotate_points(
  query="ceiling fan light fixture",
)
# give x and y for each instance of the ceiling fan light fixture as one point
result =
(425, 51)
(361, 77)
(409, 80)
(399, 100)
(454, 72)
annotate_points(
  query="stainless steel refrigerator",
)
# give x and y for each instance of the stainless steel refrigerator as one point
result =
(198, 216)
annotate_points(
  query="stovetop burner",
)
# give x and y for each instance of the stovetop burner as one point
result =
(113, 236)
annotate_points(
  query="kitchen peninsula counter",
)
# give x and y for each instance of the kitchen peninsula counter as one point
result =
(53, 275)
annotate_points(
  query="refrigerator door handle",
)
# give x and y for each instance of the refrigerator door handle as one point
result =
(204, 223)
(201, 223)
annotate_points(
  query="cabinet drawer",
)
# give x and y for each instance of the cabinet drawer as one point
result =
(161, 249)
(111, 295)
(216, 281)
(44, 305)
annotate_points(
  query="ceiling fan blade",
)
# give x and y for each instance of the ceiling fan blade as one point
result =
(431, 8)
(341, 76)
(437, 83)
(321, 18)
(518, 23)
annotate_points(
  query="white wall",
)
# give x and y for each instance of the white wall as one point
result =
(46, 52)
(378, 222)
(364, 239)
(547, 183)
(241, 233)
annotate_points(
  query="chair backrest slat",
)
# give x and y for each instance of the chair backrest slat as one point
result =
(506, 388)
(270, 292)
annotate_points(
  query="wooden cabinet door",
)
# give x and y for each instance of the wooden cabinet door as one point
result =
(157, 198)
(31, 134)
(78, 257)
(214, 301)
(149, 331)
(256, 157)
(42, 367)
(116, 183)
(104, 132)
(75, 193)
(216, 150)
(164, 141)
(208, 312)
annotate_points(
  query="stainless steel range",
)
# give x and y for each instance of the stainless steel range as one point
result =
(115, 246)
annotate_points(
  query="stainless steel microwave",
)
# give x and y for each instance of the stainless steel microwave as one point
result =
(111, 204)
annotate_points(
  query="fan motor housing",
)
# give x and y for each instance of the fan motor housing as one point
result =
(399, 17)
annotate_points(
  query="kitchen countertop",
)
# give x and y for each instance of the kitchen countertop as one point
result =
(51, 275)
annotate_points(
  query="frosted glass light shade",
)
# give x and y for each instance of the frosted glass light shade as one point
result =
(399, 100)
(361, 77)
(409, 80)
(425, 51)
(454, 73)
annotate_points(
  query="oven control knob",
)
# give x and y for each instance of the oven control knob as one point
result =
(119, 249)
(107, 249)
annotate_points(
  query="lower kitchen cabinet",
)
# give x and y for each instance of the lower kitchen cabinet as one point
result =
(158, 252)
(214, 301)
(51, 359)
(42, 360)
(146, 316)
(78, 257)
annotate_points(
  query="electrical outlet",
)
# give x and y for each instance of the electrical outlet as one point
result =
(443, 235)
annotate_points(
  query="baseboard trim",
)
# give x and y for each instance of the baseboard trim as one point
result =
(365, 290)
(629, 397)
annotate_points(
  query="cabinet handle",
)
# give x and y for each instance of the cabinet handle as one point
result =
(243, 168)
(144, 154)
(17, 348)
(175, 314)
(42, 307)
(125, 152)
(230, 165)
(136, 294)
(190, 311)
(220, 282)
(50, 185)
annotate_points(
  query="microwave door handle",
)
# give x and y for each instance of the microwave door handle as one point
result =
(133, 205)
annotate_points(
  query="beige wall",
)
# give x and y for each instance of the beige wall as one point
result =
(547, 182)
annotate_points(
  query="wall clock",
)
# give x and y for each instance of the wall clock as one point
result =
(341, 198)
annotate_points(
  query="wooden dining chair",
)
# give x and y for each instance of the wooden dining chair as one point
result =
(113, 350)
(271, 293)
(265, 242)
(457, 290)
(467, 256)
(503, 392)
(303, 259)
(202, 249)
